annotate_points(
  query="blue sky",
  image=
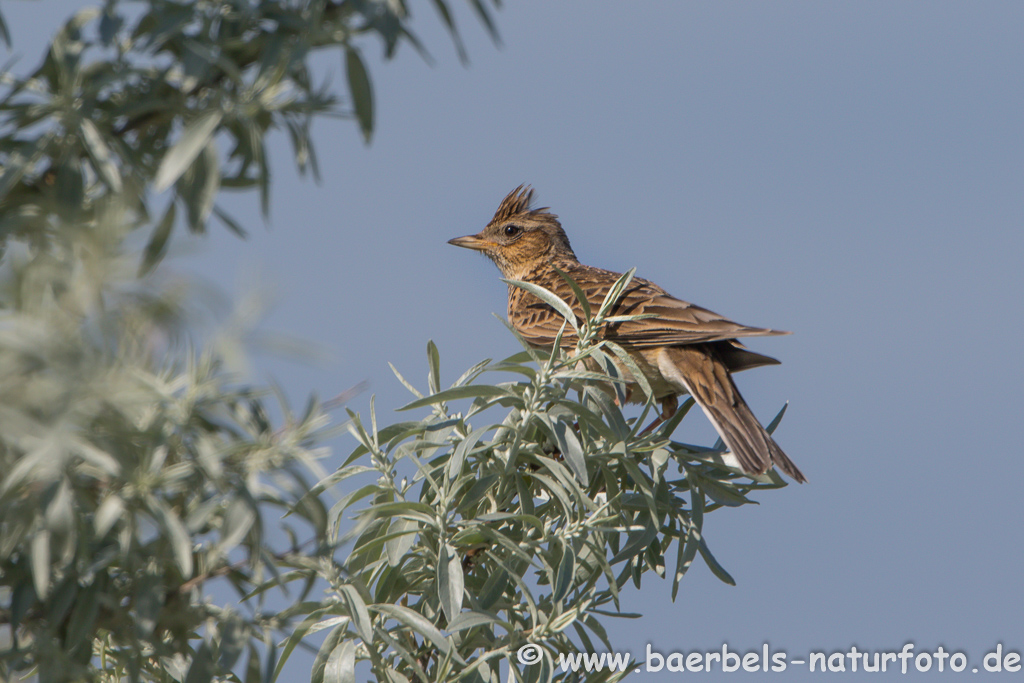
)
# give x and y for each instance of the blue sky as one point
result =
(850, 171)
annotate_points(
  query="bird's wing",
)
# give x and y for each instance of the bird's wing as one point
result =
(676, 322)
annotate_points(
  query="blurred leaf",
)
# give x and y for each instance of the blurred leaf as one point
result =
(176, 535)
(4, 34)
(442, 9)
(108, 514)
(157, 245)
(203, 667)
(40, 549)
(193, 140)
(229, 222)
(362, 93)
(485, 18)
(101, 156)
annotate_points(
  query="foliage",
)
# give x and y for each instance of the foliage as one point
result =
(138, 473)
(135, 470)
(137, 97)
(514, 530)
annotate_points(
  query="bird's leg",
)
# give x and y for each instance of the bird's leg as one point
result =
(669, 406)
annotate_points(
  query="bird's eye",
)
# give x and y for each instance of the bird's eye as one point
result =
(511, 230)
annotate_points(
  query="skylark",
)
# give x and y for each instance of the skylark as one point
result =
(686, 349)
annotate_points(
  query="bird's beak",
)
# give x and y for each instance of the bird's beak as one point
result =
(473, 242)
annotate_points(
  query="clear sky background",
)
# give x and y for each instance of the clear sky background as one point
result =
(850, 171)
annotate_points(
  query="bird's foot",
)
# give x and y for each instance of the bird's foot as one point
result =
(669, 406)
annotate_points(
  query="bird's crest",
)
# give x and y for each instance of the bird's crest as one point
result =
(518, 202)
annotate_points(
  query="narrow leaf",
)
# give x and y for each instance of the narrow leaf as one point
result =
(450, 581)
(434, 358)
(471, 391)
(157, 246)
(362, 93)
(341, 664)
(317, 675)
(548, 297)
(777, 419)
(398, 546)
(181, 545)
(193, 140)
(40, 553)
(716, 569)
(418, 623)
(570, 446)
(101, 156)
(358, 611)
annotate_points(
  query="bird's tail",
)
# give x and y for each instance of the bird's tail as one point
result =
(708, 380)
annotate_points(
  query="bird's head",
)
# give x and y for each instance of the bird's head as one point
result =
(519, 239)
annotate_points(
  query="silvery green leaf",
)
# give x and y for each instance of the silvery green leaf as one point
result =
(418, 623)
(569, 445)
(181, 544)
(548, 297)
(566, 572)
(395, 677)
(193, 140)
(434, 376)
(40, 557)
(341, 664)
(101, 156)
(323, 655)
(398, 546)
(107, 514)
(415, 392)
(634, 369)
(469, 619)
(357, 609)
(470, 391)
(238, 519)
(580, 296)
(450, 581)
(464, 448)
(612, 298)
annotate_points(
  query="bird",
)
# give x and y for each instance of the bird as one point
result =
(680, 348)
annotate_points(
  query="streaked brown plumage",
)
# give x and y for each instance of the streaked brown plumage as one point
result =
(685, 349)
